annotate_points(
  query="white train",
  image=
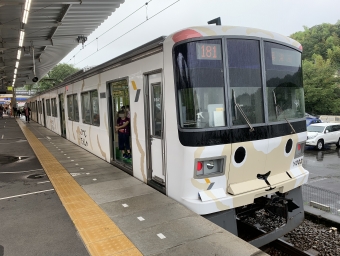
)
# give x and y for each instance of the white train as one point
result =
(216, 120)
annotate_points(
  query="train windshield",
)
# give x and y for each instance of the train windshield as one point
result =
(284, 82)
(245, 79)
(200, 84)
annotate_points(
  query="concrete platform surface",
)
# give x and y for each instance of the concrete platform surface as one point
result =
(32, 219)
(153, 222)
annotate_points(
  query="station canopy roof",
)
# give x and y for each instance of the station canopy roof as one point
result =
(35, 35)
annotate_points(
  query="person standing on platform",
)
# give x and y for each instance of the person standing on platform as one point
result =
(15, 110)
(27, 112)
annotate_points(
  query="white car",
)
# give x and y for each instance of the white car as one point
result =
(323, 133)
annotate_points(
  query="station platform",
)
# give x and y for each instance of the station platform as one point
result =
(58, 199)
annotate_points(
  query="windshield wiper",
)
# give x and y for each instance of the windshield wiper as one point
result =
(237, 106)
(277, 109)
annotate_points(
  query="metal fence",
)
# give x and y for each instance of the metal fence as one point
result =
(321, 198)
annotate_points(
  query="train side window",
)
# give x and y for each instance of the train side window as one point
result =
(95, 108)
(70, 107)
(86, 110)
(245, 79)
(48, 107)
(76, 107)
(90, 108)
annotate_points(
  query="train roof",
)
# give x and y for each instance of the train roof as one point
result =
(203, 31)
(156, 46)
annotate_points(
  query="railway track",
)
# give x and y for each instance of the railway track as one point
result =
(288, 248)
(278, 247)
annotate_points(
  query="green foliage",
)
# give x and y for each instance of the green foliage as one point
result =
(54, 77)
(321, 67)
(321, 86)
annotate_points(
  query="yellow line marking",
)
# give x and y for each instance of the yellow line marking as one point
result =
(134, 86)
(99, 233)
(207, 180)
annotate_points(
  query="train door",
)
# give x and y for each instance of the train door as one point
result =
(43, 111)
(62, 115)
(119, 114)
(155, 128)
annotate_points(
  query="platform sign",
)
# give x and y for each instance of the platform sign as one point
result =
(6, 95)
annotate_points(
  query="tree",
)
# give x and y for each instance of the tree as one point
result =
(321, 65)
(56, 76)
(322, 93)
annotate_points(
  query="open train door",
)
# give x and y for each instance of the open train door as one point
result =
(154, 121)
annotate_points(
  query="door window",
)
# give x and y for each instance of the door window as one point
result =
(70, 107)
(48, 107)
(95, 108)
(76, 107)
(156, 102)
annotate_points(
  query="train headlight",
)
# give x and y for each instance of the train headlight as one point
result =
(300, 148)
(209, 167)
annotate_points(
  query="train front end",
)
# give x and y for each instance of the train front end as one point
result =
(234, 126)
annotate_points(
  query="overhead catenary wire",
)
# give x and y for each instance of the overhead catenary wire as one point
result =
(129, 31)
(146, 4)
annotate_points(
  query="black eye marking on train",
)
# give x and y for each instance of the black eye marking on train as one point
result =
(240, 154)
(289, 146)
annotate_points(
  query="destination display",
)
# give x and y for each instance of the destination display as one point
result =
(286, 57)
(208, 51)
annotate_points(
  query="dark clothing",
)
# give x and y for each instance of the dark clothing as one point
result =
(27, 112)
(123, 141)
(126, 129)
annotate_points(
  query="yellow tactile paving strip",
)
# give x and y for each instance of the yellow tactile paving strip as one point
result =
(99, 233)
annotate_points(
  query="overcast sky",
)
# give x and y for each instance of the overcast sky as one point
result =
(281, 16)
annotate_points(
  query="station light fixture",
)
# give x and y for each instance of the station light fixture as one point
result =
(22, 36)
(21, 40)
(26, 11)
(19, 54)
